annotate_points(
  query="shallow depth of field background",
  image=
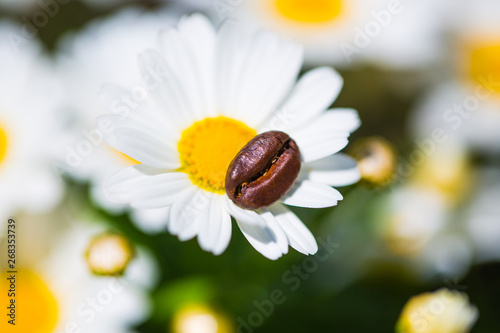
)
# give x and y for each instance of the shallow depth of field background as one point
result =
(359, 284)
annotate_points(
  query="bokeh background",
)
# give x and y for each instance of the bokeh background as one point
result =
(422, 75)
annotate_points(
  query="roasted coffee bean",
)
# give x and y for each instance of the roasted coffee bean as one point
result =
(263, 171)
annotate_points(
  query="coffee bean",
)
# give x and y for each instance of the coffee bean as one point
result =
(263, 171)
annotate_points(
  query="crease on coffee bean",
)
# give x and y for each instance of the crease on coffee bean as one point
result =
(264, 171)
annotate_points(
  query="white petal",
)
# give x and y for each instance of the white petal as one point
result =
(159, 191)
(200, 39)
(119, 185)
(299, 236)
(281, 239)
(151, 221)
(335, 170)
(263, 239)
(188, 56)
(189, 231)
(233, 43)
(313, 148)
(327, 134)
(169, 94)
(211, 224)
(152, 126)
(313, 94)
(111, 96)
(312, 195)
(261, 73)
(144, 148)
(243, 215)
(224, 234)
(140, 112)
(341, 119)
(215, 227)
(186, 210)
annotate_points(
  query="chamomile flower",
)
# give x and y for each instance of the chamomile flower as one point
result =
(442, 311)
(210, 92)
(466, 103)
(339, 32)
(86, 61)
(56, 290)
(29, 126)
(421, 223)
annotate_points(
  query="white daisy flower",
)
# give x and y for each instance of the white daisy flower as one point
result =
(466, 103)
(339, 32)
(56, 292)
(442, 311)
(460, 114)
(87, 60)
(210, 93)
(420, 223)
(29, 126)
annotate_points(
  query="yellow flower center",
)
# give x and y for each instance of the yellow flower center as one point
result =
(310, 11)
(208, 147)
(484, 63)
(35, 306)
(3, 144)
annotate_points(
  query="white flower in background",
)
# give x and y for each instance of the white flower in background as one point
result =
(421, 223)
(442, 311)
(467, 103)
(216, 92)
(386, 32)
(29, 126)
(88, 60)
(483, 223)
(57, 291)
(469, 116)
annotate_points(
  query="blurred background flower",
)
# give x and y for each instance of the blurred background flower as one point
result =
(424, 77)
(29, 126)
(57, 290)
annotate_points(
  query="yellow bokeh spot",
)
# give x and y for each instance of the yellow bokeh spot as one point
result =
(208, 147)
(310, 11)
(198, 318)
(484, 64)
(447, 173)
(35, 306)
(3, 144)
(376, 158)
(437, 312)
(109, 254)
